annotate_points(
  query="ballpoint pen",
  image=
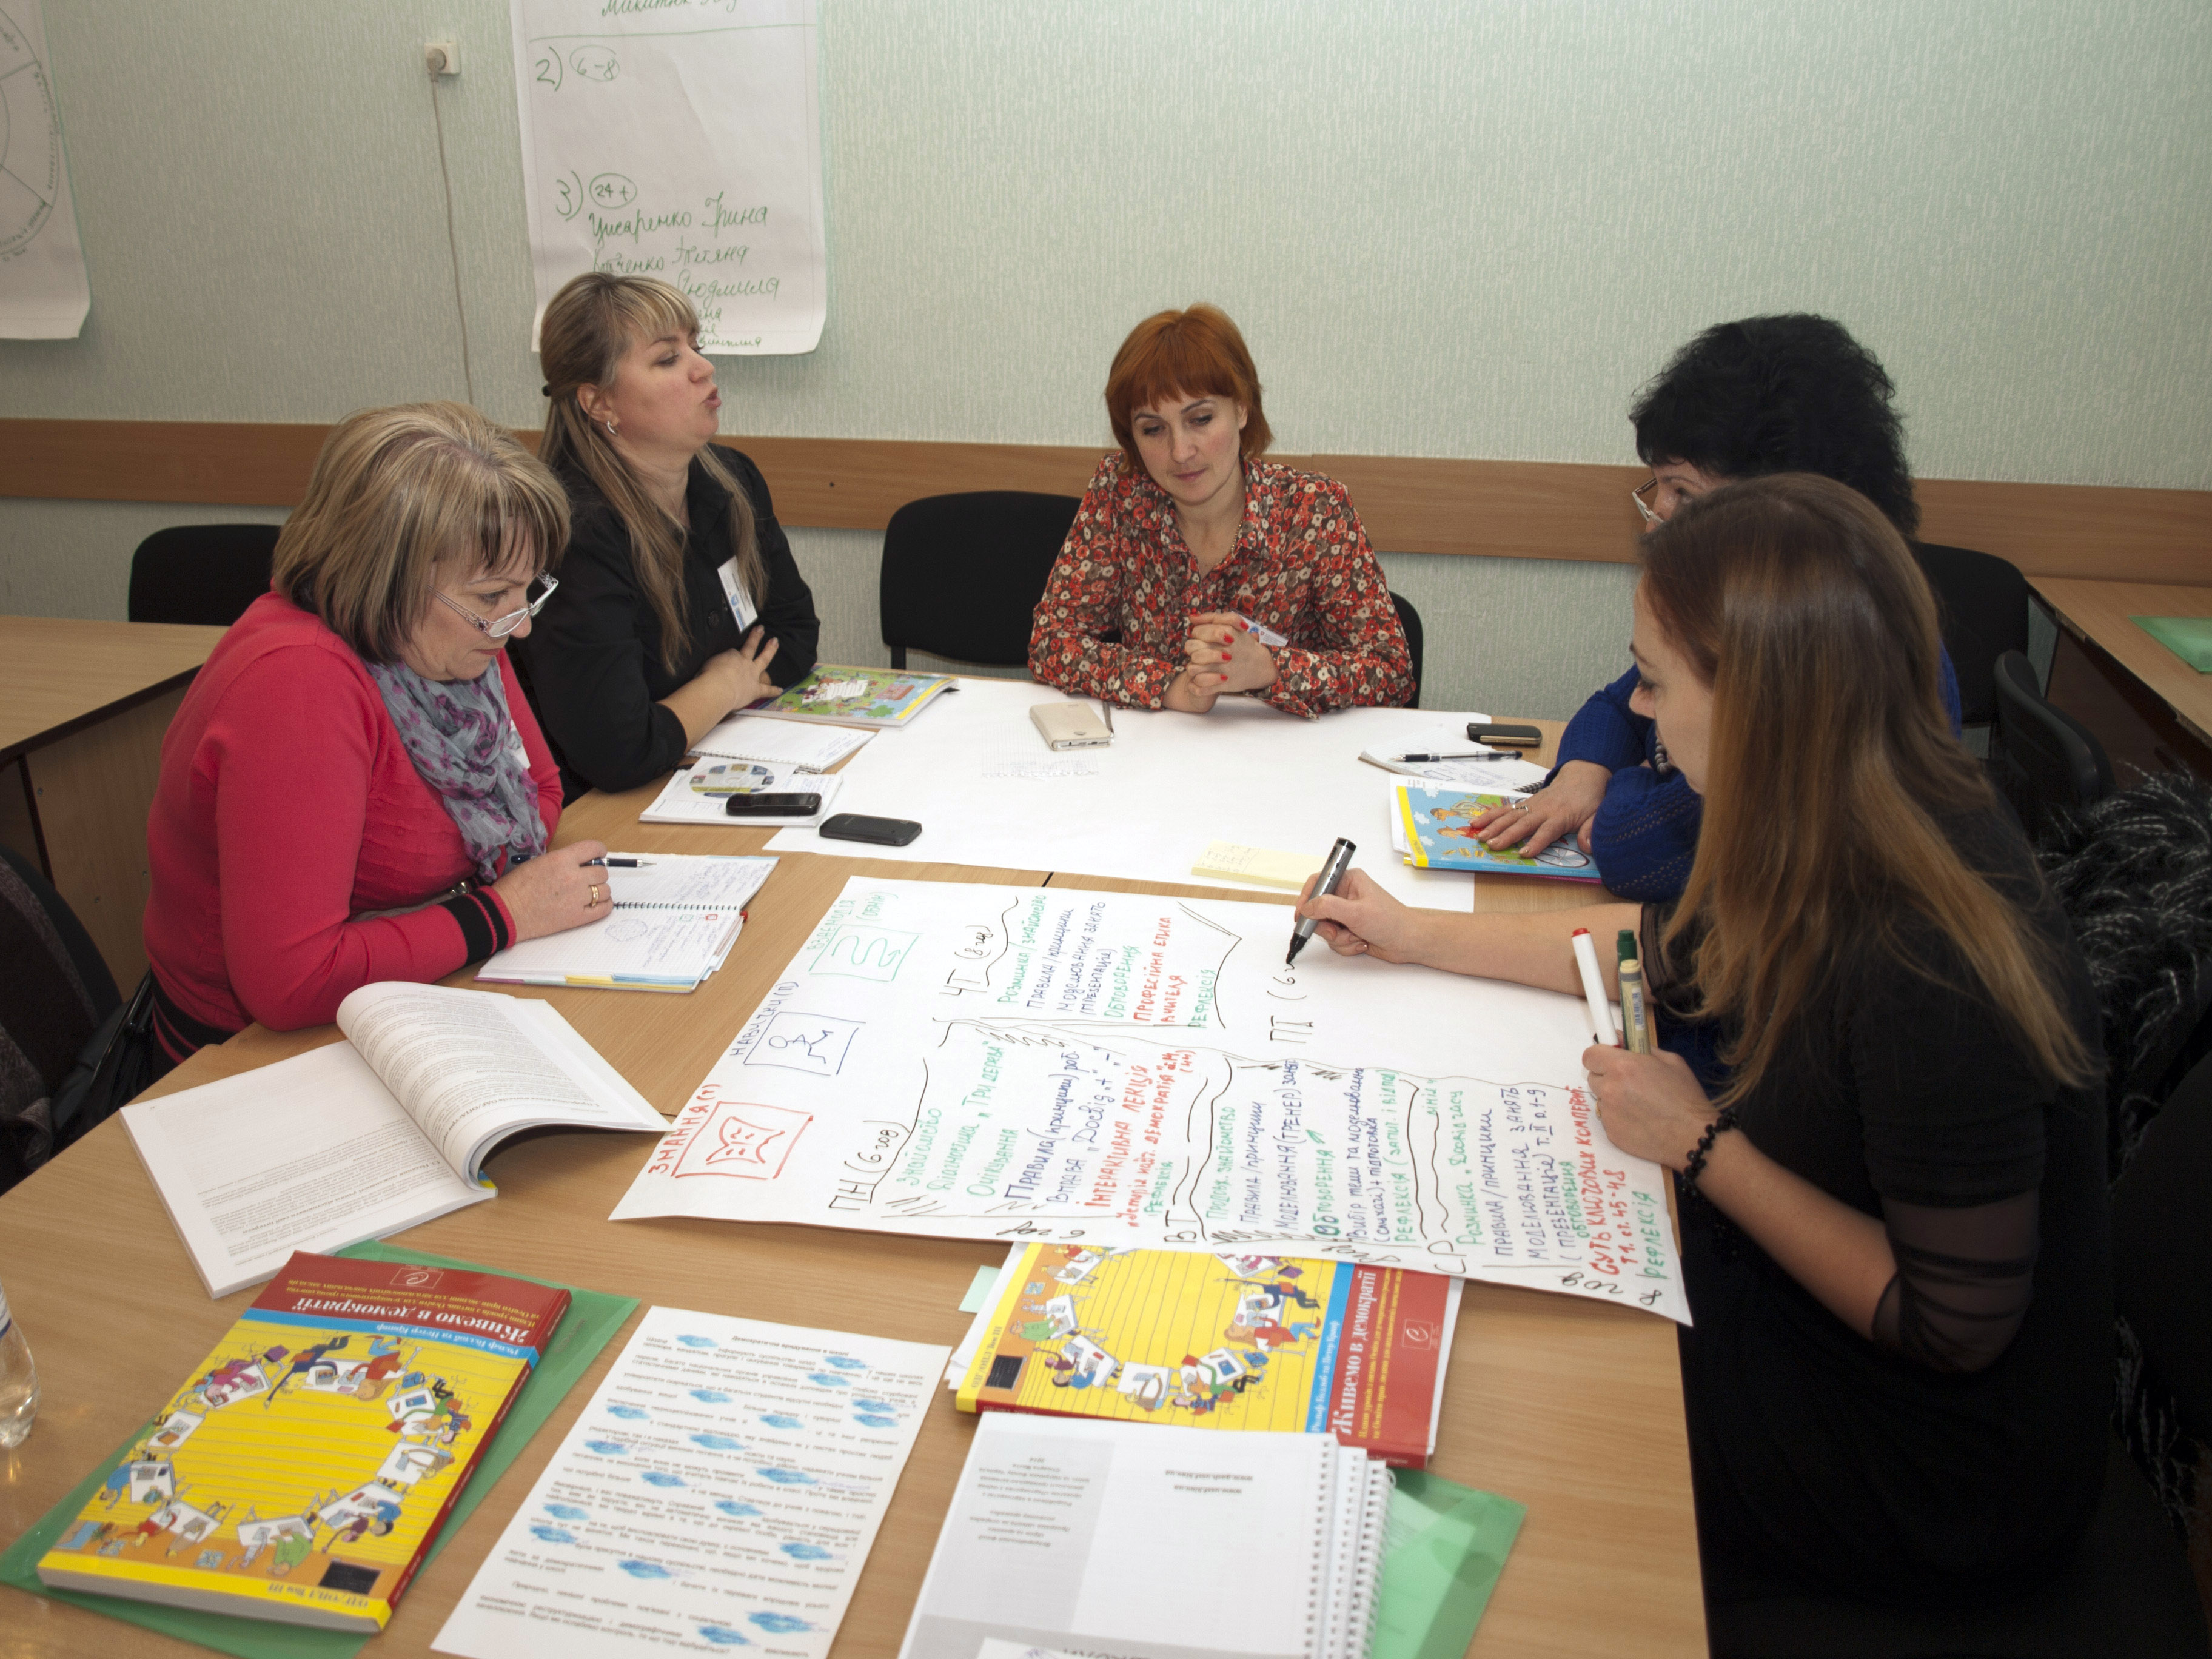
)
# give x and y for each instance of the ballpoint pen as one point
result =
(616, 864)
(1473, 754)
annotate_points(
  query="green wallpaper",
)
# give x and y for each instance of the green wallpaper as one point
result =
(1448, 229)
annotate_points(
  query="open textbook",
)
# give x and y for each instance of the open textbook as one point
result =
(358, 1139)
(1051, 1064)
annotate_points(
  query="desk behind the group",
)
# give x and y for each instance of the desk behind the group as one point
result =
(82, 709)
(1572, 1407)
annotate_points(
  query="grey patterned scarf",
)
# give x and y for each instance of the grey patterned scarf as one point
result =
(464, 744)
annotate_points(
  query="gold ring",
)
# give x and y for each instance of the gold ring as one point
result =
(593, 902)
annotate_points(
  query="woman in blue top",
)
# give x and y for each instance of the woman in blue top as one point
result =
(1767, 394)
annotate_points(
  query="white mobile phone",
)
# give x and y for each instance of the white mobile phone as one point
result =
(1071, 725)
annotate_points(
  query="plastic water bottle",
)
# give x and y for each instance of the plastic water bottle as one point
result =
(19, 1381)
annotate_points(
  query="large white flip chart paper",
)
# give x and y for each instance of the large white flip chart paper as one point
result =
(679, 139)
(973, 1061)
(44, 293)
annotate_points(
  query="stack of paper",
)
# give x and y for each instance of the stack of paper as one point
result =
(672, 923)
(721, 1491)
(804, 748)
(684, 800)
(1154, 1543)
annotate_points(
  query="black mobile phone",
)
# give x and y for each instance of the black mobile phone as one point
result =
(1504, 737)
(884, 832)
(773, 807)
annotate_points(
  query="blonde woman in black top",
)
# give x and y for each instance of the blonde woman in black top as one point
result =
(1893, 1225)
(679, 600)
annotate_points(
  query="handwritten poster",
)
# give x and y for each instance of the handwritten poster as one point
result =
(977, 1062)
(722, 1490)
(678, 139)
(44, 293)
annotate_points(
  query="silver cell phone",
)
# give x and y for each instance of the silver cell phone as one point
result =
(1071, 725)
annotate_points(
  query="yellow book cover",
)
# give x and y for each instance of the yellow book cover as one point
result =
(1293, 1345)
(302, 1471)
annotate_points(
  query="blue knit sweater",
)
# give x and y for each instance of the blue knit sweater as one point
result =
(1645, 834)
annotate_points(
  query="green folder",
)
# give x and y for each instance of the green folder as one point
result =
(590, 1324)
(2189, 638)
(1443, 1548)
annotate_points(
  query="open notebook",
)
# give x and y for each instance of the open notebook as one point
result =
(672, 923)
(1150, 1542)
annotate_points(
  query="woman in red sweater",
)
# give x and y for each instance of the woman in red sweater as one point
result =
(353, 791)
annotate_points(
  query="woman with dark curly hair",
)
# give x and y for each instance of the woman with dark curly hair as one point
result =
(1744, 399)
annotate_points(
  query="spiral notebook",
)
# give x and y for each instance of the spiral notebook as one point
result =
(672, 922)
(1259, 1546)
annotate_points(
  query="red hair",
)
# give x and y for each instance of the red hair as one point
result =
(1196, 353)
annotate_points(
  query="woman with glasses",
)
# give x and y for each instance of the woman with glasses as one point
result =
(1767, 394)
(352, 790)
(680, 599)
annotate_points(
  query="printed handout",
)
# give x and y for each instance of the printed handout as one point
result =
(1051, 1064)
(722, 1490)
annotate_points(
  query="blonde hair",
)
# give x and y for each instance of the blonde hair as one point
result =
(588, 326)
(398, 498)
(1831, 766)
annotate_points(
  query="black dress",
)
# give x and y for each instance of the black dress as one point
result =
(1823, 1461)
(591, 662)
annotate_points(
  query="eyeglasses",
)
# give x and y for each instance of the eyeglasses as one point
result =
(1649, 487)
(499, 626)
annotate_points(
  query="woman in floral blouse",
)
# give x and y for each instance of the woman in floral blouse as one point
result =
(1185, 536)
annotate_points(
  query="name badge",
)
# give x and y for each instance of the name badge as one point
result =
(741, 606)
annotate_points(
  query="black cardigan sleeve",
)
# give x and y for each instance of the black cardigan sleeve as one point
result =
(588, 669)
(787, 612)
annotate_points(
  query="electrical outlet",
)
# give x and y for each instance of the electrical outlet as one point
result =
(441, 57)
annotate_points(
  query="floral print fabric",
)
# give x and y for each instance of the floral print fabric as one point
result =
(1301, 566)
(464, 744)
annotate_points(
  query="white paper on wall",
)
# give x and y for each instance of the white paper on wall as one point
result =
(973, 1061)
(44, 292)
(678, 139)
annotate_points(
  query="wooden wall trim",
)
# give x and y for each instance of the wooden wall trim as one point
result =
(1410, 504)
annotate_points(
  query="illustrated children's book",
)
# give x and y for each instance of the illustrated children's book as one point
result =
(877, 698)
(1289, 1345)
(302, 1473)
(1436, 821)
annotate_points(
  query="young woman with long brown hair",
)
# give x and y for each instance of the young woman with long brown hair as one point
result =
(680, 598)
(1892, 1217)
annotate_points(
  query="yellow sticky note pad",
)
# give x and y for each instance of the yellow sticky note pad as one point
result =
(1259, 865)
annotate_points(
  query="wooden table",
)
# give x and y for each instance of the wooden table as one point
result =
(2105, 665)
(82, 709)
(1573, 1407)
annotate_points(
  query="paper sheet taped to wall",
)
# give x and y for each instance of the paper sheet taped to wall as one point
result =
(678, 139)
(972, 1062)
(44, 293)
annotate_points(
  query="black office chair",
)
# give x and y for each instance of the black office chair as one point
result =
(56, 995)
(2042, 758)
(963, 573)
(1982, 602)
(2133, 875)
(1410, 620)
(201, 572)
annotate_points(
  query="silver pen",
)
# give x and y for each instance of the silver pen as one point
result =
(1332, 877)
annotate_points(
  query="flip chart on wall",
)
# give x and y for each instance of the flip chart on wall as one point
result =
(44, 293)
(973, 1061)
(679, 139)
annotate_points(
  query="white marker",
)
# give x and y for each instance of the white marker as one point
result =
(1594, 987)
